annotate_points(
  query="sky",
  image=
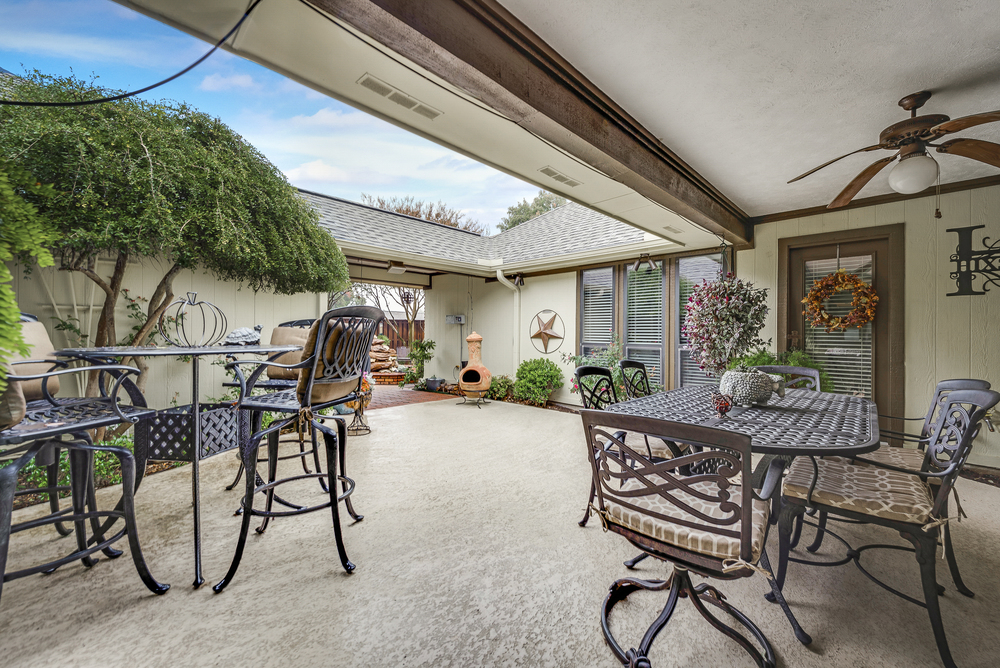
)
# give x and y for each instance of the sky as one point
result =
(319, 143)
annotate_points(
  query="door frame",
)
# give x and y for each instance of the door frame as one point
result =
(895, 235)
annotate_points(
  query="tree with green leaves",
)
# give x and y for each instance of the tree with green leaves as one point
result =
(136, 179)
(525, 210)
(24, 236)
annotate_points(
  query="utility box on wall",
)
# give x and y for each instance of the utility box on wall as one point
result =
(454, 319)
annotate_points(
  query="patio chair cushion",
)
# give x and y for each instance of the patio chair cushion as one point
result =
(12, 404)
(861, 488)
(287, 336)
(323, 392)
(702, 541)
(41, 348)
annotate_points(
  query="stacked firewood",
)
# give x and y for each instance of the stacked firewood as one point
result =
(382, 356)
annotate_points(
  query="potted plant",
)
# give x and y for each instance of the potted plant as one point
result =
(723, 321)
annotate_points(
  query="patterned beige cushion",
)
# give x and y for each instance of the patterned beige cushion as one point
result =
(323, 392)
(287, 336)
(907, 458)
(40, 348)
(12, 404)
(696, 540)
(862, 489)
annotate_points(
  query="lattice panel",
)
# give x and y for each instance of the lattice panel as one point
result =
(170, 433)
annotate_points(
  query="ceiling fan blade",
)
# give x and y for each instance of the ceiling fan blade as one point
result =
(816, 169)
(966, 122)
(859, 182)
(983, 151)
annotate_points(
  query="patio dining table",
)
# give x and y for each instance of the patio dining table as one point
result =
(193, 452)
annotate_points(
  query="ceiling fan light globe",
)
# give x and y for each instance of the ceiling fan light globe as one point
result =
(913, 175)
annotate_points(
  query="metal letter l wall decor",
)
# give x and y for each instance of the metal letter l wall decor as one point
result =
(971, 264)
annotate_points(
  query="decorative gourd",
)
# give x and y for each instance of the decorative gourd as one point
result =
(189, 323)
(750, 387)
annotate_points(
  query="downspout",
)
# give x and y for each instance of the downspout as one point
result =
(517, 317)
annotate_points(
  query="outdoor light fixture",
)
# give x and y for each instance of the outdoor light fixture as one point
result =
(396, 267)
(915, 173)
(644, 258)
(518, 280)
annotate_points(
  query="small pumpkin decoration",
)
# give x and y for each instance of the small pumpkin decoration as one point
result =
(863, 302)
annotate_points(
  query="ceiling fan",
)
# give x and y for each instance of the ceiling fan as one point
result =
(916, 170)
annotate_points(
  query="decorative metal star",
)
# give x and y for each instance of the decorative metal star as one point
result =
(545, 331)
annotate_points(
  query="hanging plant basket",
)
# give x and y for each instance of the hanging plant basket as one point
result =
(862, 304)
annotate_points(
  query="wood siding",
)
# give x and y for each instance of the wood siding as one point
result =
(946, 337)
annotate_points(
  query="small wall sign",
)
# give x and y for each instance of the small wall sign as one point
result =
(971, 265)
(547, 331)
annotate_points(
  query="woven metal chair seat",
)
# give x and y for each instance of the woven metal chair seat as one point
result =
(284, 401)
(43, 420)
(269, 384)
(861, 488)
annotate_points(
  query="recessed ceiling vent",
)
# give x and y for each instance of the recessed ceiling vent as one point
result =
(671, 229)
(399, 97)
(559, 176)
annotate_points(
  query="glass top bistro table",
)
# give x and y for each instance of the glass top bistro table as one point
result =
(803, 423)
(196, 452)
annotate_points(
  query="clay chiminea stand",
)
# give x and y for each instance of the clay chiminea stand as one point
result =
(474, 379)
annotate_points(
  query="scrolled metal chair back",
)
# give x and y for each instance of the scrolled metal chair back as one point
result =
(597, 387)
(629, 481)
(806, 378)
(343, 341)
(635, 379)
(956, 428)
(941, 392)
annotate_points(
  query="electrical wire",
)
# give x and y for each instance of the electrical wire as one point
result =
(17, 103)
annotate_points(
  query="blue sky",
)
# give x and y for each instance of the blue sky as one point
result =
(320, 143)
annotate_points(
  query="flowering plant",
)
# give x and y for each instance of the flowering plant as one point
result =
(723, 320)
(608, 358)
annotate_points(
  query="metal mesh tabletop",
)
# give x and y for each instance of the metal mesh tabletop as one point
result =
(802, 423)
(161, 351)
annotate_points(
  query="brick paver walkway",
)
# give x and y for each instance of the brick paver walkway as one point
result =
(385, 396)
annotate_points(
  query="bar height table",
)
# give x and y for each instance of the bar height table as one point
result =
(196, 353)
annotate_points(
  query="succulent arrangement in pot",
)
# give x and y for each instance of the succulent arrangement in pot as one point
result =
(723, 321)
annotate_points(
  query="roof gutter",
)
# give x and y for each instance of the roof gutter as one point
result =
(517, 317)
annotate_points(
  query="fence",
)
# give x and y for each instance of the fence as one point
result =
(401, 335)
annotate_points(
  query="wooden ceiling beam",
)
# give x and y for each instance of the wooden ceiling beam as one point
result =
(481, 48)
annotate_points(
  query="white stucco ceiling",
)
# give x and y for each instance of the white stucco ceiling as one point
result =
(752, 93)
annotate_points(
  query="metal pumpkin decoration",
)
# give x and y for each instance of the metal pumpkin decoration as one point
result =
(189, 323)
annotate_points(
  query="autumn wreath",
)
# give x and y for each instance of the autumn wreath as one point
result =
(862, 304)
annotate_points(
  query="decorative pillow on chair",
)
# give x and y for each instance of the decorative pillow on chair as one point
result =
(12, 404)
(287, 336)
(324, 392)
(40, 348)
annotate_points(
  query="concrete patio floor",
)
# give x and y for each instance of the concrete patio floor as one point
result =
(469, 555)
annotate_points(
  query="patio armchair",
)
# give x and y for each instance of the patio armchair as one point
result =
(37, 430)
(711, 524)
(334, 359)
(902, 500)
(597, 390)
(635, 379)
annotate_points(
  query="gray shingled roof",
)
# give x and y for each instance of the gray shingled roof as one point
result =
(569, 229)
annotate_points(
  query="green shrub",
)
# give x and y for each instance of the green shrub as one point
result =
(501, 388)
(536, 379)
(383, 338)
(409, 376)
(764, 357)
(421, 352)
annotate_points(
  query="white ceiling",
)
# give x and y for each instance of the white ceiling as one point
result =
(752, 93)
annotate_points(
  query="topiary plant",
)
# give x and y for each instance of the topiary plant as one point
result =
(536, 380)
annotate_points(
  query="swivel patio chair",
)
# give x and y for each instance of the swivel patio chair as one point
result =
(36, 431)
(893, 497)
(334, 359)
(711, 524)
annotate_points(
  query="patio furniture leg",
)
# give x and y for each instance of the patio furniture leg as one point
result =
(797, 629)
(712, 595)
(820, 532)
(949, 552)
(302, 450)
(619, 591)
(248, 454)
(95, 522)
(634, 561)
(236, 480)
(52, 480)
(342, 439)
(79, 472)
(590, 500)
(8, 485)
(786, 517)
(926, 553)
(331, 472)
(256, 418)
(796, 532)
(272, 475)
(319, 469)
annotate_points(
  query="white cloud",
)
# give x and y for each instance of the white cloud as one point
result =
(218, 82)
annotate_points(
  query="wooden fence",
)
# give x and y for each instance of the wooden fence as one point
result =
(403, 337)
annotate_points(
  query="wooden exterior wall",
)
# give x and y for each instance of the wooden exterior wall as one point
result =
(401, 335)
(945, 337)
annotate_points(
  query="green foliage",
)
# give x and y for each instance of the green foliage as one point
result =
(525, 210)
(141, 179)
(536, 379)
(383, 338)
(409, 376)
(764, 357)
(420, 353)
(24, 235)
(608, 358)
(501, 388)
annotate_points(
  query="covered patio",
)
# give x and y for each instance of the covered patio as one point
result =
(469, 555)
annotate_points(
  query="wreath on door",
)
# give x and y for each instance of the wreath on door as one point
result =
(862, 304)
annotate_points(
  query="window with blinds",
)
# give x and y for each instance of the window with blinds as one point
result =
(847, 354)
(597, 309)
(691, 271)
(645, 329)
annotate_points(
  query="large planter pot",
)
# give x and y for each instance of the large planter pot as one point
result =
(751, 387)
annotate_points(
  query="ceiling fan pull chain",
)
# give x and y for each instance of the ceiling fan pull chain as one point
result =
(937, 198)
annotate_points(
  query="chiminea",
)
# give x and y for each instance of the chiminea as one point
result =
(475, 378)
